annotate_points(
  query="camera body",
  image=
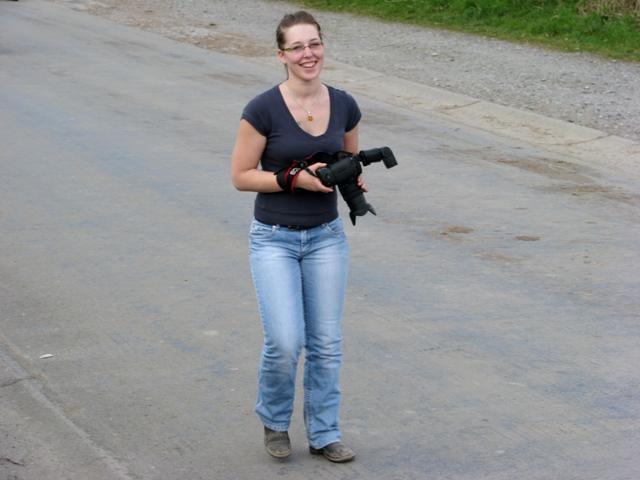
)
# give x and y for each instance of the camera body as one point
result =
(343, 169)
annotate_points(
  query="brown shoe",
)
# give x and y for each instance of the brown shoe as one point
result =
(277, 444)
(335, 452)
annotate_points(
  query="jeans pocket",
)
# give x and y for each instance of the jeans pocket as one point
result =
(261, 231)
(335, 227)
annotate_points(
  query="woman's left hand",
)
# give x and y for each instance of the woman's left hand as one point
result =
(361, 184)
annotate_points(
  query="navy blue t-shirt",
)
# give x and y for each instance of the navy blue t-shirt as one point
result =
(286, 141)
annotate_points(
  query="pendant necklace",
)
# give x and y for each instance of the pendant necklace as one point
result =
(309, 116)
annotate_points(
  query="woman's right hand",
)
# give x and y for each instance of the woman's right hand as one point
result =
(309, 182)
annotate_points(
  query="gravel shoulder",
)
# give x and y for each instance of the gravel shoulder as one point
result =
(572, 87)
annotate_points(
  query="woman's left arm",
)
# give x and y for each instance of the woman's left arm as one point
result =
(351, 146)
(351, 140)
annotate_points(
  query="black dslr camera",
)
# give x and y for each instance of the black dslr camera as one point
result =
(342, 170)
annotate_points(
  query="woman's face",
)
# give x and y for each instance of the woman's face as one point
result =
(303, 52)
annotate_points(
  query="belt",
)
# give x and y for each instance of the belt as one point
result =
(297, 227)
(290, 227)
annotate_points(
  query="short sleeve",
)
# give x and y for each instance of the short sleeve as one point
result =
(353, 113)
(257, 114)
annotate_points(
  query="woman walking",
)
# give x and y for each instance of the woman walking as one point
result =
(298, 249)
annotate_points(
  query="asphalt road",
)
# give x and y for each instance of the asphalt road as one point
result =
(491, 328)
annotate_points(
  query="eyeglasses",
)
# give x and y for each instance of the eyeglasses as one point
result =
(298, 49)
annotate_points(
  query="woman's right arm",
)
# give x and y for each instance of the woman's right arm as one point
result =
(245, 174)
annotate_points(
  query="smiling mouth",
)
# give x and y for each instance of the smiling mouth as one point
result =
(308, 64)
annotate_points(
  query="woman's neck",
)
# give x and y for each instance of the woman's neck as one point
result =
(302, 89)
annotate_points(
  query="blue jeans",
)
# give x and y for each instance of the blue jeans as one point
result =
(300, 278)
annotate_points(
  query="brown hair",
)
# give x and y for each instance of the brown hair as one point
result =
(291, 19)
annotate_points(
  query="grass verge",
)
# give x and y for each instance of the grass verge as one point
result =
(611, 31)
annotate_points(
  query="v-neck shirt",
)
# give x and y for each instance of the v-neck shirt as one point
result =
(287, 142)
